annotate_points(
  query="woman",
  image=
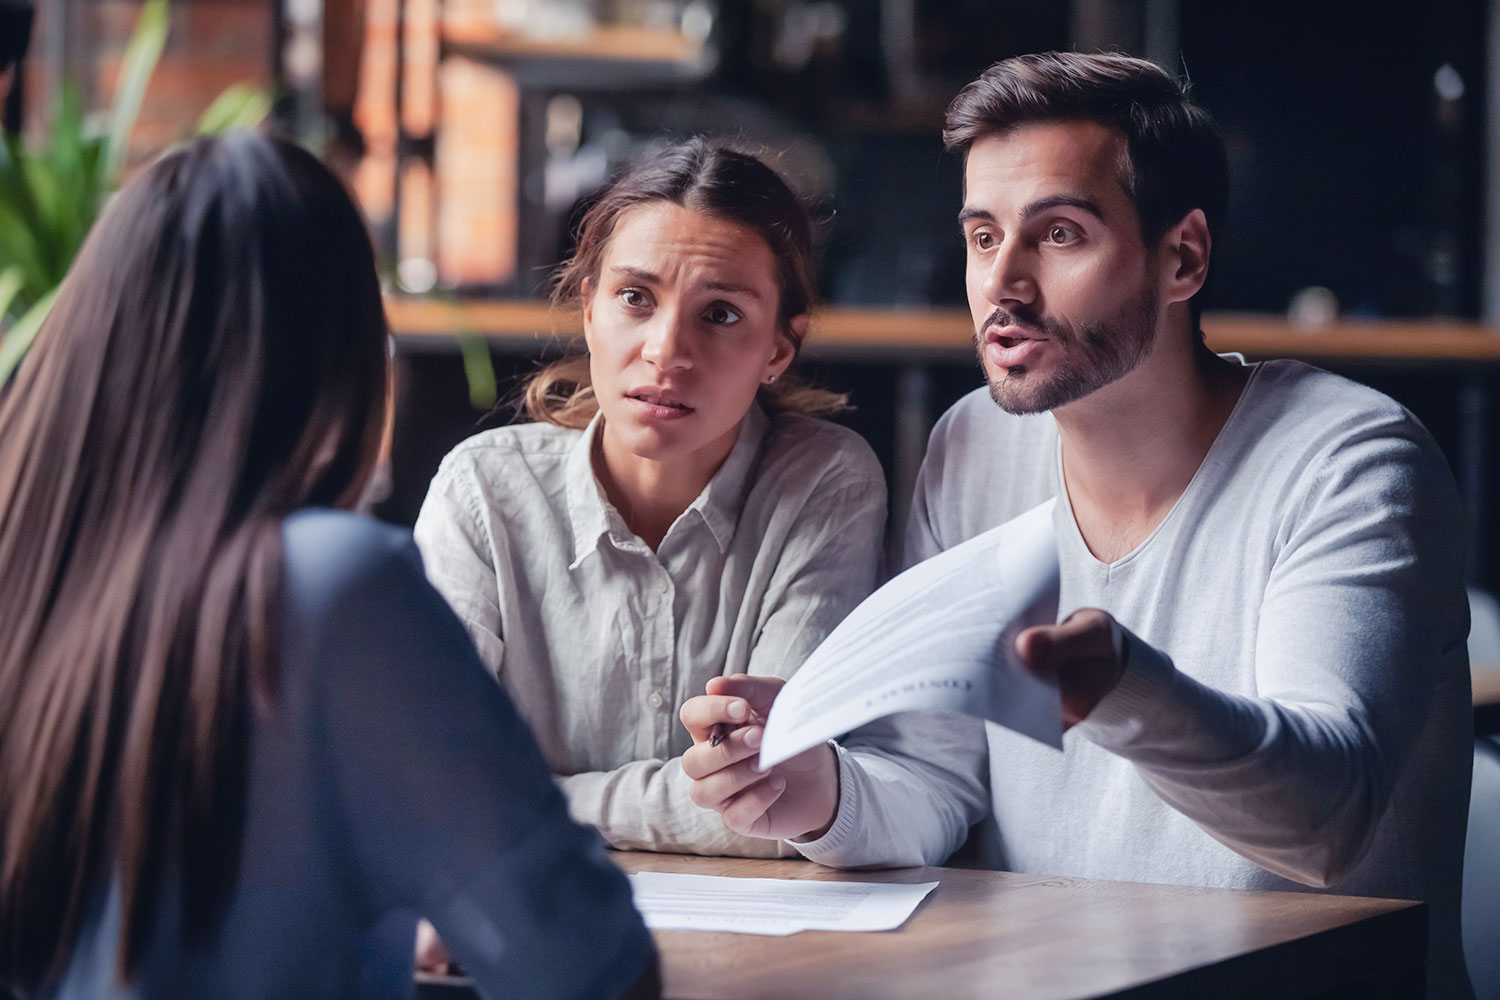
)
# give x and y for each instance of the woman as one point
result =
(675, 513)
(220, 772)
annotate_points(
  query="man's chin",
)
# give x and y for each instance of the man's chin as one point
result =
(1027, 393)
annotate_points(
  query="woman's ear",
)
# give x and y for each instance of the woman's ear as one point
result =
(586, 298)
(1185, 265)
(785, 350)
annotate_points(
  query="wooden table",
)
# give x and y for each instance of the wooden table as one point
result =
(994, 934)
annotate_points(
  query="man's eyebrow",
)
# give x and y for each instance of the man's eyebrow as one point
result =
(1059, 201)
(975, 213)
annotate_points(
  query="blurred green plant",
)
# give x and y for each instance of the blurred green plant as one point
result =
(51, 194)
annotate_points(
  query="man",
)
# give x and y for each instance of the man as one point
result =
(1275, 692)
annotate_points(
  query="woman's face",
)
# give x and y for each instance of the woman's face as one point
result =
(681, 330)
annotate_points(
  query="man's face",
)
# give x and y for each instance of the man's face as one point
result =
(1061, 288)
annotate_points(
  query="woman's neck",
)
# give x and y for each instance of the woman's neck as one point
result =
(651, 494)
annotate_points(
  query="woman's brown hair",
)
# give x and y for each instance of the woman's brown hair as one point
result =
(215, 360)
(716, 181)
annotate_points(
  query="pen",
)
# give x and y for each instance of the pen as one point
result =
(718, 733)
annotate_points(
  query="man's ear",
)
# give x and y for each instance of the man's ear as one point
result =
(1187, 247)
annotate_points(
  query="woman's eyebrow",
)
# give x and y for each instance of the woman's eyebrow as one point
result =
(730, 286)
(636, 274)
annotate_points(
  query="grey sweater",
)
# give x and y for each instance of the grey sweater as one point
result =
(1295, 709)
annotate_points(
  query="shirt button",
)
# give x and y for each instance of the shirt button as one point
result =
(656, 700)
(663, 585)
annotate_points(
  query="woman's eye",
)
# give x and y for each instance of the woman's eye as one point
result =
(721, 315)
(633, 297)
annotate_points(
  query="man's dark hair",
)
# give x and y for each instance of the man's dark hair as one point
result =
(1176, 160)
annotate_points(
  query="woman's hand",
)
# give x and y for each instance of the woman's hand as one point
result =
(431, 956)
(797, 799)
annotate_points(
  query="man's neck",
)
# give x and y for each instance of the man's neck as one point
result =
(1130, 449)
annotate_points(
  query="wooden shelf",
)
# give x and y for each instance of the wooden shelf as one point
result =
(602, 44)
(948, 332)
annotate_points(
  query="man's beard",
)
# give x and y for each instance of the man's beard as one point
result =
(1090, 357)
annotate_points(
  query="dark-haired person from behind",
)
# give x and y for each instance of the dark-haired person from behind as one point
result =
(243, 744)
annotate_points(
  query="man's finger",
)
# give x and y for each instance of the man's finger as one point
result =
(1085, 634)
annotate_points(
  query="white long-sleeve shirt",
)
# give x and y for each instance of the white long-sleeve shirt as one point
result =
(1295, 706)
(600, 640)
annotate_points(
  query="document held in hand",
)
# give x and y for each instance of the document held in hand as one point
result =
(939, 637)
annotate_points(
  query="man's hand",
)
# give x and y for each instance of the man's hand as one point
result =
(1080, 652)
(796, 798)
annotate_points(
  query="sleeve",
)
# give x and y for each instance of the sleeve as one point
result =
(828, 565)
(910, 787)
(1362, 614)
(457, 551)
(444, 802)
(911, 784)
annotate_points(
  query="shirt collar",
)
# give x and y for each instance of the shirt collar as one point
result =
(723, 498)
(592, 516)
(588, 511)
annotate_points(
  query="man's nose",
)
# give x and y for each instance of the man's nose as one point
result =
(668, 343)
(1012, 276)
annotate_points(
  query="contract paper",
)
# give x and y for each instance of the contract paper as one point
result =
(774, 906)
(939, 637)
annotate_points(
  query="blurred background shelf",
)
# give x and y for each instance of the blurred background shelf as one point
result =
(906, 333)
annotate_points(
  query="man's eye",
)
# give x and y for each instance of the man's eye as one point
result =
(983, 240)
(1061, 235)
(721, 315)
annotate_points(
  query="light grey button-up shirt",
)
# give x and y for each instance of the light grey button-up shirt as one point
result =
(599, 639)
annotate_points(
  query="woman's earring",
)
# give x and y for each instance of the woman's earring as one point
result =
(770, 380)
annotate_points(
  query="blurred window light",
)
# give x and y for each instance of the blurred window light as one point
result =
(1448, 84)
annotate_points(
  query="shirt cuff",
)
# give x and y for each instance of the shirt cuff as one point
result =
(1144, 686)
(842, 831)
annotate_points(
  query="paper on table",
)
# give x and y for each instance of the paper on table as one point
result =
(773, 906)
(939, 637)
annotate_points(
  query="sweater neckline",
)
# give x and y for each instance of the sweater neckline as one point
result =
(1210, 459)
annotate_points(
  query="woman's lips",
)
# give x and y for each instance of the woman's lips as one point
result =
(658, 404)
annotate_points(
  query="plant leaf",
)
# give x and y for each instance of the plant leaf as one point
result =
(239, 106)
(11, 281)
(479, 370)
(135, 73)
(19, 337)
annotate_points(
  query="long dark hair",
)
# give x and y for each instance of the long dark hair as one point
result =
(717, 181)
(214, 360)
